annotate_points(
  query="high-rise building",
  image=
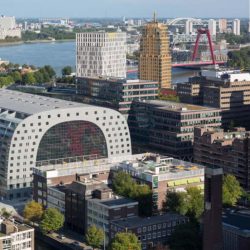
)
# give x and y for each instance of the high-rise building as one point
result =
(222, 25)
(101, 54)
(212, 27)
(8, 27)
(236, 27)
(155, 59)
(189, 27)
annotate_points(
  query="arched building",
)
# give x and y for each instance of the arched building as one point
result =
(36, 129)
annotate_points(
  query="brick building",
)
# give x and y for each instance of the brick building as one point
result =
(228, 90)
(150, 231)
(228, 150)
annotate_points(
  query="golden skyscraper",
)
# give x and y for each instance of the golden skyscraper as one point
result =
(155, 59)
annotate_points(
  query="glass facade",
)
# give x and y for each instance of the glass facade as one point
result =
(71, 139)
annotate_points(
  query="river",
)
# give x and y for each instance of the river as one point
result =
(58, 55)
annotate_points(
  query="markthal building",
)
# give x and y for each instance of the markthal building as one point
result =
(36, 129)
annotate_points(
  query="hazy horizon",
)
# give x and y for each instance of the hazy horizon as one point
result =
(127, 8)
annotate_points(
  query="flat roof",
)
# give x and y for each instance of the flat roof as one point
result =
(176, 106)
(239, 219)
(134, 222)
(115, 201)
(31, 104)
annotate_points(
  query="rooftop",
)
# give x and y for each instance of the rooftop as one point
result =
(134, 222)
(31, 104)
(148, 165)
(120, 201)
(175, 106)
(240, 220)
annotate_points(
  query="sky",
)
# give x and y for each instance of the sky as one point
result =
(127, 8)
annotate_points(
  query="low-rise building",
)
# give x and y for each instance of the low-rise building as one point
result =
(225, 89)
(168, 127)
(16, 236)
(150, 231)
(227, 150)
(163, 174)
(116, 93)
(106, 207)
(236, 230)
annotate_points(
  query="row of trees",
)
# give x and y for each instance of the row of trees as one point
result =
(125, 186)
(49, 220)
(122, 241)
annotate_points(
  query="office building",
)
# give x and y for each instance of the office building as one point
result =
(236, 230)
(212, 27)
(168, 127)
(8, 27)
(116, 93)
(227, 150)
(222, 25)
(106, 207)
(189, 27)
(236, 27)
(101, 54)
(14, 235)
(162, 174)
(225, 89)
(150, 231)
(155, 60)
(212, 216)
(37, 130)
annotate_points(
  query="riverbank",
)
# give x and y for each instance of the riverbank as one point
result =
(3, 44)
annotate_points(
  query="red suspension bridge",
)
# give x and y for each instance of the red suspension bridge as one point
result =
(196, 62)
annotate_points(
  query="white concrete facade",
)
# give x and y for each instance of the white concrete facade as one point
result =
(236, 27)
(24, 120)
(101, 54)
(8, 27)
(212, 27)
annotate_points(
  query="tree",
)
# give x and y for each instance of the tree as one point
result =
(39, 77)
(66, 71)
(190, 203)
(125, 241)
(186, 236)
(232, 190)
(175, 202)
(195, 202)
(16, 76)
(33, 211)
(94, 236)
(51, 72)
(29, 78)
(124, 185)
(52, 220)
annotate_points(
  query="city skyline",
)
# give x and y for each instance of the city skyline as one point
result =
(128, 8)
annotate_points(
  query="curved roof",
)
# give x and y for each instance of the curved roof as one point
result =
(31, 104)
